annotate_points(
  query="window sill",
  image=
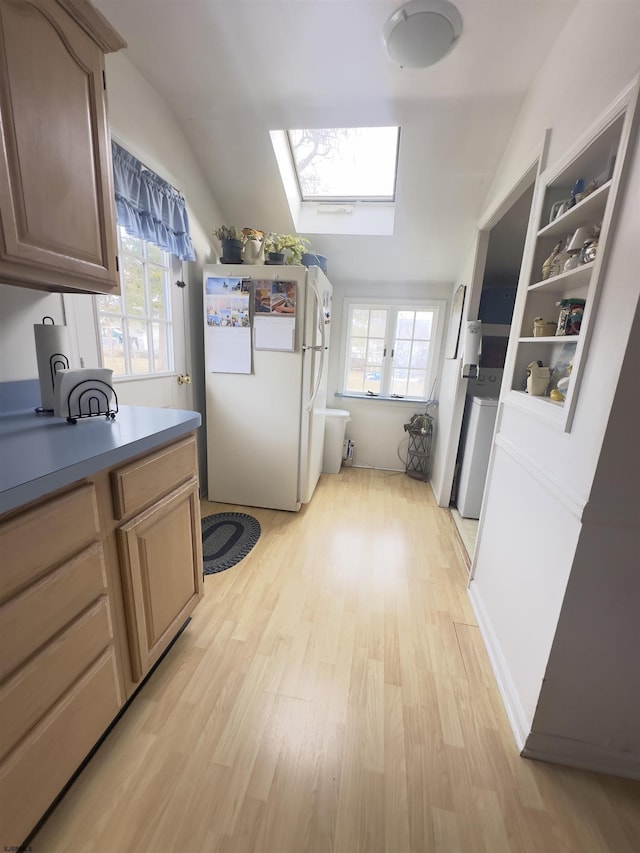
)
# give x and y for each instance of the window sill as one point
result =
(385, 399)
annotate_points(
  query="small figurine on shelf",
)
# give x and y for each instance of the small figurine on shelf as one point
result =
(537, 379)
(570, 319)
(547, 265)
(577, 192)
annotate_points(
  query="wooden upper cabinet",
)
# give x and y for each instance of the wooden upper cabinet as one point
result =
(56, 187)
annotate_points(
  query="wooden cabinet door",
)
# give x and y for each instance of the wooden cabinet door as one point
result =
(161, 552)
(56, 189)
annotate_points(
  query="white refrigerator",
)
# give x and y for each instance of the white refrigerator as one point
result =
(266, 383)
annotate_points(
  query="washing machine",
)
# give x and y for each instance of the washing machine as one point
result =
(480, 419)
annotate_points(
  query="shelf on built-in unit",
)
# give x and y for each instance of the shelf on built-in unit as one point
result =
(589, 211)
(566, 281)
(552, 339)
(546, 407)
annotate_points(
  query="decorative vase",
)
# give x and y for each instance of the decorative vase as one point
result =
(231, 251)
(276, 257)
(254, 250)
(310, 259)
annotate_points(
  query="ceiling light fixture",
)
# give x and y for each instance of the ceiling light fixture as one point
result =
(421, 32)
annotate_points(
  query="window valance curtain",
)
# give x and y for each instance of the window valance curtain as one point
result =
(148, 207)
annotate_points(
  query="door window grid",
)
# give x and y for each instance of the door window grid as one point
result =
(388, 351)
(136, 328)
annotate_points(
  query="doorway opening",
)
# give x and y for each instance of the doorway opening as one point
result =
(505, 247)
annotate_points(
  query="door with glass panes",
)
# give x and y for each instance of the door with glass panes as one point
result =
(141, 334)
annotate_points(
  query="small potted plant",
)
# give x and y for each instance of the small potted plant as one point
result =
(284, 248)
(232, 240)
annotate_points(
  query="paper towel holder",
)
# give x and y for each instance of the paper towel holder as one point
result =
(57, 361)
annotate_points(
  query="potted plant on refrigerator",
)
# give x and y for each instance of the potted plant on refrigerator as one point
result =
(232, 240)
(284, 248)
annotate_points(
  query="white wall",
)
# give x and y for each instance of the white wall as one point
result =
(453, 388)
(20, 309)
(536, 468)
(376, 426)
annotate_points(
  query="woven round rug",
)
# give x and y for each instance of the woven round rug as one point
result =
(227, 537)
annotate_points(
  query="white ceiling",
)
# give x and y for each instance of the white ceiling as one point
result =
(231, 70)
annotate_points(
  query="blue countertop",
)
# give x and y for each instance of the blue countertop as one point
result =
(41, 453)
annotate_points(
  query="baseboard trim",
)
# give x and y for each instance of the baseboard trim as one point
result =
(515, 712)
(586, 756)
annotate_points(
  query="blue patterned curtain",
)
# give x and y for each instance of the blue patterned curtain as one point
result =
(148, 207)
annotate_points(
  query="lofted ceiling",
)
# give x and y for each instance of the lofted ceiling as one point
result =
(231, 70)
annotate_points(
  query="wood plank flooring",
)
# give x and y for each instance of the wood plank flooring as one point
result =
(332, 693)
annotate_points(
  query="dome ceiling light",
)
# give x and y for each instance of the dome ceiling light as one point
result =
(421, 32)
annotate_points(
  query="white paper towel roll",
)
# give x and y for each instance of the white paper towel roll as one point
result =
(52, 354)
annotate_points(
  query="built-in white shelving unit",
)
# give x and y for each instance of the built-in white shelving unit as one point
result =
(598, 157)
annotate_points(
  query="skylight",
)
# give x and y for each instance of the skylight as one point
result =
(346, 163)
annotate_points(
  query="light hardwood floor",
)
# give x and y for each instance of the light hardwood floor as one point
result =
(332, 693)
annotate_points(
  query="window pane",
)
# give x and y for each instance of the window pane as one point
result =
(404, 325)
(157, 292)
(154, 254)
(416, 386)
(126, 322)
(422, 329)
(378, 324)
(402, 354)
(420, 354)
(359, 322)
(375, 352)
(134, 287)
(399, 381)
(346, 162)
(130, 245)
(355, 380)
(138, 347)
(112, 342)
(161, 347)
(358, 352)
(109, 304)
(373, 380)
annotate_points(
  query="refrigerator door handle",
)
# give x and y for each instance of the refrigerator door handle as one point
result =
(321, 348)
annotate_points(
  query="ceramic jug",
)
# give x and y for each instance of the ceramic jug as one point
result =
(537, 379)
(254, 250)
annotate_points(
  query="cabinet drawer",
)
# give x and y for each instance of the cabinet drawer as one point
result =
(44, 536)
(35, 615)
(36, 687)
(137, 485)
(38, 768)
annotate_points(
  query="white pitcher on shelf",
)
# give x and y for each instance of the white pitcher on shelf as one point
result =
(537, 379)
(254, 247)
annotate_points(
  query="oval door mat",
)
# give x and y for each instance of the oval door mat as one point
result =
(227, 537)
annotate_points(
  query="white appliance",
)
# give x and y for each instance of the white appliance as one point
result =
(265, 429)
(480, 421)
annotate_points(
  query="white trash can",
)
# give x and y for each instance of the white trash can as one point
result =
(335, 425)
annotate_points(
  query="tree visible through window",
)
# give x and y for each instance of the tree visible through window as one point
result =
(389, 350)
(346, 163)
(135, 327)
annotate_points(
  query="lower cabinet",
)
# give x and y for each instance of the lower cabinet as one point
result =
(161, 556)
(96, 582)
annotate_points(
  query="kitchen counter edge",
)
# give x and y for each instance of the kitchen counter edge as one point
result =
(41, 454)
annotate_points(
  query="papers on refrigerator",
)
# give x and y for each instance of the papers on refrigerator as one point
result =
(228, 325)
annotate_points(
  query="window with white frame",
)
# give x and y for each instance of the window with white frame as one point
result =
(391, 349)
(135, 327)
